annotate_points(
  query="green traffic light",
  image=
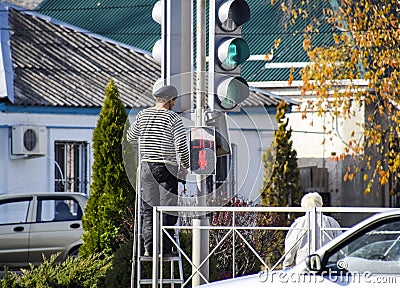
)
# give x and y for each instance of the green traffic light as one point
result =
(233, 52)
(232, 55)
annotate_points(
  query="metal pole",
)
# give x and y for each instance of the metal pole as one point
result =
(313, 228)
(136, 265)
(200, 238)
(156, 236)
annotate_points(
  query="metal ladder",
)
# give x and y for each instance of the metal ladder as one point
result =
(173, 262)
(139, 260)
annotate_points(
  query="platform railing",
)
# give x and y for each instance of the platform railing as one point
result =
(236, 231)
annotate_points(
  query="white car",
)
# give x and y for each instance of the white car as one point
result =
(367, 255)
(34, 225)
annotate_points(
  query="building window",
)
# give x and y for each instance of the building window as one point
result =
(71, 167)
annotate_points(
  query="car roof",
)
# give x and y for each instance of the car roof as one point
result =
(31, 194)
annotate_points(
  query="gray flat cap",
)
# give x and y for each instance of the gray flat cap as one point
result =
(166, 92)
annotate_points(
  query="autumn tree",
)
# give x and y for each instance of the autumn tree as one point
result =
(110, 190)
(360, 71)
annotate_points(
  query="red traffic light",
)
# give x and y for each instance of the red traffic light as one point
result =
(202, 150)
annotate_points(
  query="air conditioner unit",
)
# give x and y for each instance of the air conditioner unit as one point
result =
(29, 140)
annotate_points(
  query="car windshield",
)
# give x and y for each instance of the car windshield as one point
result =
(376, 251)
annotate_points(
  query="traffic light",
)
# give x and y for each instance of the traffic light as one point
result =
(227, 51)
(202, 150)
(173, 50)
(158, 48)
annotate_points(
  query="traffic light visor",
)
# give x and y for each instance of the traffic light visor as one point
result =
(232, 14)
(231, 91)
(157, 50)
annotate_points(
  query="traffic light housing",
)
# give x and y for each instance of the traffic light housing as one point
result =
(173, 50)
(227, 51)
(218, 120)
(202, 150)
(158, 48)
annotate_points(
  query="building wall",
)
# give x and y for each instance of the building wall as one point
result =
(316, 147)
(253, 133)
(22, 174)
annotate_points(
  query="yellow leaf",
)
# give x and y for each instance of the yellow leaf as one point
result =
(294, 13)
(290, 81)
(306, 44)
(277, 42)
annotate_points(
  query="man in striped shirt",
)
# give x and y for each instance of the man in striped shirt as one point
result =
(161, 137)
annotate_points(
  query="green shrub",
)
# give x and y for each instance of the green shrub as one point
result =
(119, 276)
(186, 240)
(9, 279)
(110, 190)
(73, 273)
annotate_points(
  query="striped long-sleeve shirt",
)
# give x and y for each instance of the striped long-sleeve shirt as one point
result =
(161, 137)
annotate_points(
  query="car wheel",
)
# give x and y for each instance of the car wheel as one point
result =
(74, 252)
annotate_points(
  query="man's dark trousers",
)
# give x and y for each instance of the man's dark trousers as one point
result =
(160, 188)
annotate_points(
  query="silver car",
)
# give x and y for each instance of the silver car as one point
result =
(34, 225)
(367, 255)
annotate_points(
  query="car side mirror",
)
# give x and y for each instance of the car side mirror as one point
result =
(314, 263)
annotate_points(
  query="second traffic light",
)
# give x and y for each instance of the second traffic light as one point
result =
(202, 150)
(227, 51)
(173, 50)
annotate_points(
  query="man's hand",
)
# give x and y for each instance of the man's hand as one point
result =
(183, 172)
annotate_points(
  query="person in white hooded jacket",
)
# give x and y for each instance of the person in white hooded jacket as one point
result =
(297, 243)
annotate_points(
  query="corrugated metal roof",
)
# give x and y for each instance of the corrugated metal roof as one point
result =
(130, 22)
(125, 21)
(56, 65)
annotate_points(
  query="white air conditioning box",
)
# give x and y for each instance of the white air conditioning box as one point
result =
(29, 140)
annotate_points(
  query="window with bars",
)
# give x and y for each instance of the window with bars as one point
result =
(71, 167)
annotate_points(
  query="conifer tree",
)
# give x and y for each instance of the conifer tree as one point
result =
(281, 184)
(110, 190)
